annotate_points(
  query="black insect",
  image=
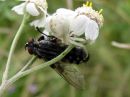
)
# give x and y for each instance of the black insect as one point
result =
(49, 47)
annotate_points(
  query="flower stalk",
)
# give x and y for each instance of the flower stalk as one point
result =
(12, 48)
(33, 59)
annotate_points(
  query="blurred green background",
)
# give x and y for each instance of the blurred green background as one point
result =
(107, 74)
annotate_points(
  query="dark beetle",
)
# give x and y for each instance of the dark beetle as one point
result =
(49, 47)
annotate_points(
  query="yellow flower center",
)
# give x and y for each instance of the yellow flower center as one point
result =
(100, 11)
(93, 14)
(88, 4)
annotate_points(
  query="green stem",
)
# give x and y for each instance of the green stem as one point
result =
(28, 64)
(4, 86)
(16, 38)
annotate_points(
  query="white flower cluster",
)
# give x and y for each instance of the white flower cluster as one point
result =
(37, 8)
(71, 27)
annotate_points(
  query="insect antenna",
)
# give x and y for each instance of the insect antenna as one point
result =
(38, 29)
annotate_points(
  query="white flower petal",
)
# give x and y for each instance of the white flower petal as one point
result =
(19, 9)
(39, 22)
(47, 23)
(84, 10)
(78, 25)
(31, 9)
(91, 13)
(65, 12)
(59, 24)
(92, 31)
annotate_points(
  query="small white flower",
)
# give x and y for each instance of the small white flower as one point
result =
(92, 31)
(34, 8)
(58, 24)
(66, 12)
(87, 10)
(82, 25)
(78, 24)
(75, 27)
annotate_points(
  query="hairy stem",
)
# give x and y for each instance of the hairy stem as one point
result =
(28, 64)
(5, 75)
(12, 48)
